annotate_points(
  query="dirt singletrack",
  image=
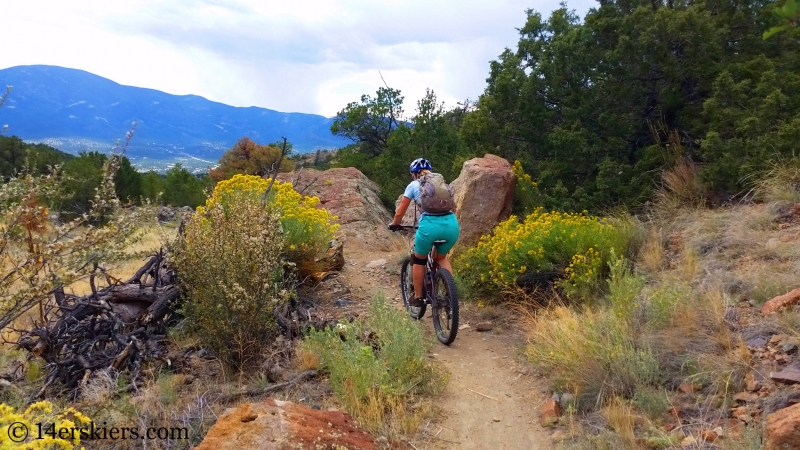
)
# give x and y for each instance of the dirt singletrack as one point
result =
(491, 400)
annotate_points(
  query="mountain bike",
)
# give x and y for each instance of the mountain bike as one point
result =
(439, 290)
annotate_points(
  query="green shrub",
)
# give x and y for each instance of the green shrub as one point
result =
(664, 300)
(569, 248)
(623, 288)
(376, 365)
(229, 260)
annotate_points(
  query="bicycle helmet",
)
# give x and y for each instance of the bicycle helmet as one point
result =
(419, 164)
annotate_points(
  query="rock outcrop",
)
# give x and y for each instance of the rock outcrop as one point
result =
(278, 425)
(783, 429)
(353, 198)
(484, 192)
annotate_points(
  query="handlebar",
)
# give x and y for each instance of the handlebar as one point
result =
(400, 227)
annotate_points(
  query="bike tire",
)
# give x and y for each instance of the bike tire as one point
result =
(407, 290)
(445, 308)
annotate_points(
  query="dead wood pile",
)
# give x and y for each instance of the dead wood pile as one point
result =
(117, 327)
(123, 325)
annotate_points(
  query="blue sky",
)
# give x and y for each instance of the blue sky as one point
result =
(291, 56)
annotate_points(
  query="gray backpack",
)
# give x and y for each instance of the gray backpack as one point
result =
(436, 197)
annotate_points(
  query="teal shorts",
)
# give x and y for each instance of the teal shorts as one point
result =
(432, 228)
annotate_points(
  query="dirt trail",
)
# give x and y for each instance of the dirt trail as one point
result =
(491, 401)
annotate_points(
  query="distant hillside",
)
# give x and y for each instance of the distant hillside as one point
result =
(74, 110)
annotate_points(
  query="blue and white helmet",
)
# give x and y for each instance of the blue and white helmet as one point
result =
(419, 164)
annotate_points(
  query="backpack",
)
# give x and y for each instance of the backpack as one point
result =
(436, 197)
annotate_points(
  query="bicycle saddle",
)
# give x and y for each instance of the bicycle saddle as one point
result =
(440, 241)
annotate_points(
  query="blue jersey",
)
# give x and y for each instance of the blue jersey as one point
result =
(413, 191)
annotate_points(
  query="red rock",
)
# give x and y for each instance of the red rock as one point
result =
(675, 411)
(353, 198)
(788, 375)
(277, 425)
(686, 388)
(781, 301)
(550, 413)
(741, 413)
(709, 435)
(745, 397)
(783, 429)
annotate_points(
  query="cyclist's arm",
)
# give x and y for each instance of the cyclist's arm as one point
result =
(401, 210)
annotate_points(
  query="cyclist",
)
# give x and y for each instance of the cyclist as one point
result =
(431, 227)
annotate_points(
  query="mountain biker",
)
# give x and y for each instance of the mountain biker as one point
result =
(431, 227)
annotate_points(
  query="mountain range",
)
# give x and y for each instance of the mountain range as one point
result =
(74, 110)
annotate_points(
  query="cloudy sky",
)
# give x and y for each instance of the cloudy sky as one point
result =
(292, 56)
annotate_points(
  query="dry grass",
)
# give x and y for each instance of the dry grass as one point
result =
(651, 255)
(306, 359)
(592, 354)
(780, 183)
(622, 419)
(680, 188)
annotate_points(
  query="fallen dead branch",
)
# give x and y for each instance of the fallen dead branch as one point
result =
(270, 389)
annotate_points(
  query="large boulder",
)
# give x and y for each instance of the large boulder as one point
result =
(783, 429)
(278, 425)
(484, 192)
(353, 198)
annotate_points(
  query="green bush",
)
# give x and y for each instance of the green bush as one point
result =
(623, 288)
(376, 365)
(229, 261)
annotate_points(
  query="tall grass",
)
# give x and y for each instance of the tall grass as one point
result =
(780, 182)
(592, 354)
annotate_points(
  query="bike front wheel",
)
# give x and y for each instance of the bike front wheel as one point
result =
(407, 289)
(445, 307)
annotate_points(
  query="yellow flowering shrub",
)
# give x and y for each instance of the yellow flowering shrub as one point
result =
(57, 430)
(572, 247)
(307, 229)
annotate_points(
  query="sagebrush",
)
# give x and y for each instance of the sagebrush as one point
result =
(229, 261)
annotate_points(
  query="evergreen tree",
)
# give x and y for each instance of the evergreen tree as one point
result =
(181, 188)
(128, 182)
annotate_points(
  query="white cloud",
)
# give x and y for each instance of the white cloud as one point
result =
(298, 56)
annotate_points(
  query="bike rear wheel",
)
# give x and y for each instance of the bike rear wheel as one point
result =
(407, 289)
(445, 307)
